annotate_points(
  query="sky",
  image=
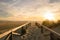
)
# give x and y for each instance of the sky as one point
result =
(28, 9)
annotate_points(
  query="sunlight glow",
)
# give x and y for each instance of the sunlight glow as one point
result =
(49, 15)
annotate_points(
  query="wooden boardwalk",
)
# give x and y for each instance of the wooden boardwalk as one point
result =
(33, 33)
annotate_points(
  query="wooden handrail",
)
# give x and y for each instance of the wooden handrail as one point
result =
(11, 30)
(49, 29)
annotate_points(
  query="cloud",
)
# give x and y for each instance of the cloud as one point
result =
(3, 10)
(4, 14)
(27, 8)
(54, 1)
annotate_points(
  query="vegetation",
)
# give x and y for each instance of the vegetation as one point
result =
(51, 23)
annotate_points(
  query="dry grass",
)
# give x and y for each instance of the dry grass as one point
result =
(6, 25)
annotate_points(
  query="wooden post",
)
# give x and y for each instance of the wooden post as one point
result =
(51, 36)
(42, 29)
(6, 37)
(10, 38)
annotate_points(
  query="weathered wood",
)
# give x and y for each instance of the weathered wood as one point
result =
(6, 33)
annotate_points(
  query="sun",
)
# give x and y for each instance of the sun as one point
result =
(49, 15)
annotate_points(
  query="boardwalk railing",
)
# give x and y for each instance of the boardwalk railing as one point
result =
(53, 34)
(8, 34)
